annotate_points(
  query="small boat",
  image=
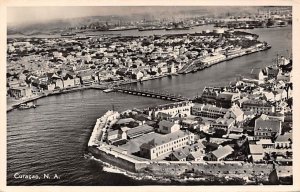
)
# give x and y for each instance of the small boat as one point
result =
(27, 105)
(108, 90)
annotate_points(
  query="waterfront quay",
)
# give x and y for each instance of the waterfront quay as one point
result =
(14, 103)
(240, 131)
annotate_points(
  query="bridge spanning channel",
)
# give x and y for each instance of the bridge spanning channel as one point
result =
(150, 93)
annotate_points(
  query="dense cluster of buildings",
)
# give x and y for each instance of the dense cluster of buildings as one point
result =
(38, 65)
(234, 123)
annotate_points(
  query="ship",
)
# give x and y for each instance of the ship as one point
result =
(178, 28)
(67, 34)
(277, 24)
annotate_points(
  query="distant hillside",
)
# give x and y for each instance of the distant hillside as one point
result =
(38, 27)
(58, 25)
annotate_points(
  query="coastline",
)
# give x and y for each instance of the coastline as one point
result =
(165, 180)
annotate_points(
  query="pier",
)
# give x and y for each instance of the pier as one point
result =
(150, 93)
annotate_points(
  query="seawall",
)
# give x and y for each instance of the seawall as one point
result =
(175, 170)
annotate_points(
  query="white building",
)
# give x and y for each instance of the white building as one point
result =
(163, 144)
(179, 108)
(213, 59)
(284, 141)
(168, 127)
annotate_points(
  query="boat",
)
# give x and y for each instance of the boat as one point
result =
(177, 28)
(108, 90)
(28, 105)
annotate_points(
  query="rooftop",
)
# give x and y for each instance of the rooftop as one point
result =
(264, 142)
(124, 121)
(170, 105)
(166, 123)
(133, 145)
(160, 139)
(209, 107)
(257, 102)
(224, 121)
(139, 130)
(267, 125)
(284, 138)
(226, 96)
(256, 149)
(223, 151)
(181, 153)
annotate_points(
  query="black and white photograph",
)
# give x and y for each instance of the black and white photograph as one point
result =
(149, 95)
